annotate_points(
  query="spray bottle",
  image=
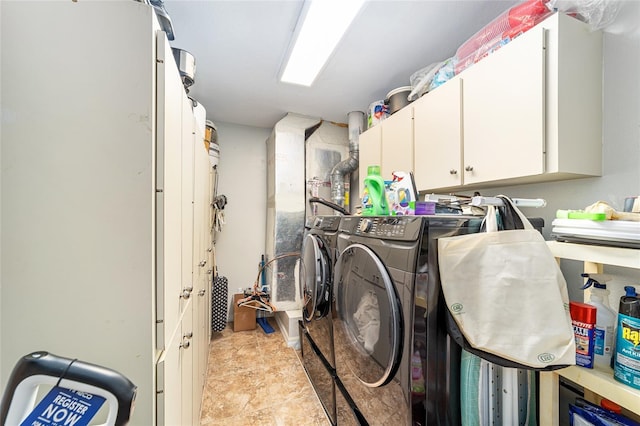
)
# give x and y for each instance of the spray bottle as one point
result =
(627, 357)
(605, 319)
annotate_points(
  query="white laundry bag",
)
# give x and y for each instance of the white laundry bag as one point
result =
(507, 296)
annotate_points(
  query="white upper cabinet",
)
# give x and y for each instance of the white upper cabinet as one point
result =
(370, 147)
(438, 137)
(389, 144)
(397, 143)
(529, 112)
(503, 110)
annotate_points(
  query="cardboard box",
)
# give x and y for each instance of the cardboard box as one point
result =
(243, 318)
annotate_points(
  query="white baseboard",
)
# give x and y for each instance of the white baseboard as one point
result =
(288, 323)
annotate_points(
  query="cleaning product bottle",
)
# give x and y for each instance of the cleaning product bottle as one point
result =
(627, 356)
(401, 192)
(583, 319)
(374, 201)
(605, 319)
(417, 378)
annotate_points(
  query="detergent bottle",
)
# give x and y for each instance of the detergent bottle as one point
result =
(605, 319)
(374, 200)
(401, 193)
(626, 367)
(417, 377)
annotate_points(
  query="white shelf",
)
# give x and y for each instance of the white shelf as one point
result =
(603, 383)
(616, 256)
(596, 381)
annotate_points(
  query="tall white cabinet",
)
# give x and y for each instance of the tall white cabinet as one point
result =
(105, 201)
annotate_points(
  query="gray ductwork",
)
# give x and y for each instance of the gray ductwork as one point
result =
(338, 173)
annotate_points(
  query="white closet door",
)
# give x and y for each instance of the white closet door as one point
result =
(168, 192)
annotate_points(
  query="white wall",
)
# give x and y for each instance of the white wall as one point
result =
(621, 139)
(242, 173)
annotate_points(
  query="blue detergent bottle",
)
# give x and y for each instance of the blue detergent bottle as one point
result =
(626, 367)
(374, 200)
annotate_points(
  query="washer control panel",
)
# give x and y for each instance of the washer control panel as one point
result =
(387, 227)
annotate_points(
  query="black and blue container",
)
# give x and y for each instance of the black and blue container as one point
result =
(626, 367)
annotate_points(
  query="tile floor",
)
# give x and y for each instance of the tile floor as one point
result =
(253, 378)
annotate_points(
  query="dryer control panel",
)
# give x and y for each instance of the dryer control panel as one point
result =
(404, 228)
(324, 223)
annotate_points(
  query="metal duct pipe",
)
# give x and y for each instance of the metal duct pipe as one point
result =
(338, 173)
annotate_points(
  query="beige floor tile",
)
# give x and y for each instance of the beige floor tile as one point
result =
(253, 378)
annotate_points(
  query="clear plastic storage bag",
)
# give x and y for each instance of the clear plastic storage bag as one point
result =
(598, 14)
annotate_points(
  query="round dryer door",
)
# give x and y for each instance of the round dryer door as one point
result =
(368, 326)
(316, 278)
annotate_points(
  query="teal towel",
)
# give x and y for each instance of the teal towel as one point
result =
(482, 389)
(469, 389)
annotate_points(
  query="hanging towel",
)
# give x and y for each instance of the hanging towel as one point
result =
(494, 395)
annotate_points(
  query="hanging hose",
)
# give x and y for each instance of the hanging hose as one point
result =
(329, 204)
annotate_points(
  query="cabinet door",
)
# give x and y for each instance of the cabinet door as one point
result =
(187, 156)
(397, 143)
(211, 234)
(201, 325)
(169, 382)
(370, 146)
(504, 111)
(186, 367)
(201, 276)
(438, 137)
(168, 192)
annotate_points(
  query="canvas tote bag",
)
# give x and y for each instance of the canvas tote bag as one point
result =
(507, 295)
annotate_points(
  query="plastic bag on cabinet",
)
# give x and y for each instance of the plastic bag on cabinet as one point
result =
(421, 79)
(597, 14)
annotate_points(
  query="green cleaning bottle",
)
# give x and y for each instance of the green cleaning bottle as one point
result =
(374, 200)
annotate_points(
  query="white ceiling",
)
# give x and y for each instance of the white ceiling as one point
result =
(240, 45)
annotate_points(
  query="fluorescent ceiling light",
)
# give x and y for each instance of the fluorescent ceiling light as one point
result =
(324, 24)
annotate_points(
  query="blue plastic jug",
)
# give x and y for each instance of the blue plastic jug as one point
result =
(626, 365)
(374, 200)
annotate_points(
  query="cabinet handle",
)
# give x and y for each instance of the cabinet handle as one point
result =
(202, 292)
(202, 263)
(453, 172)
(185, 345)
(209, 271)
(210, 249)
(469, 168)
(188, 335)
(186, 292)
